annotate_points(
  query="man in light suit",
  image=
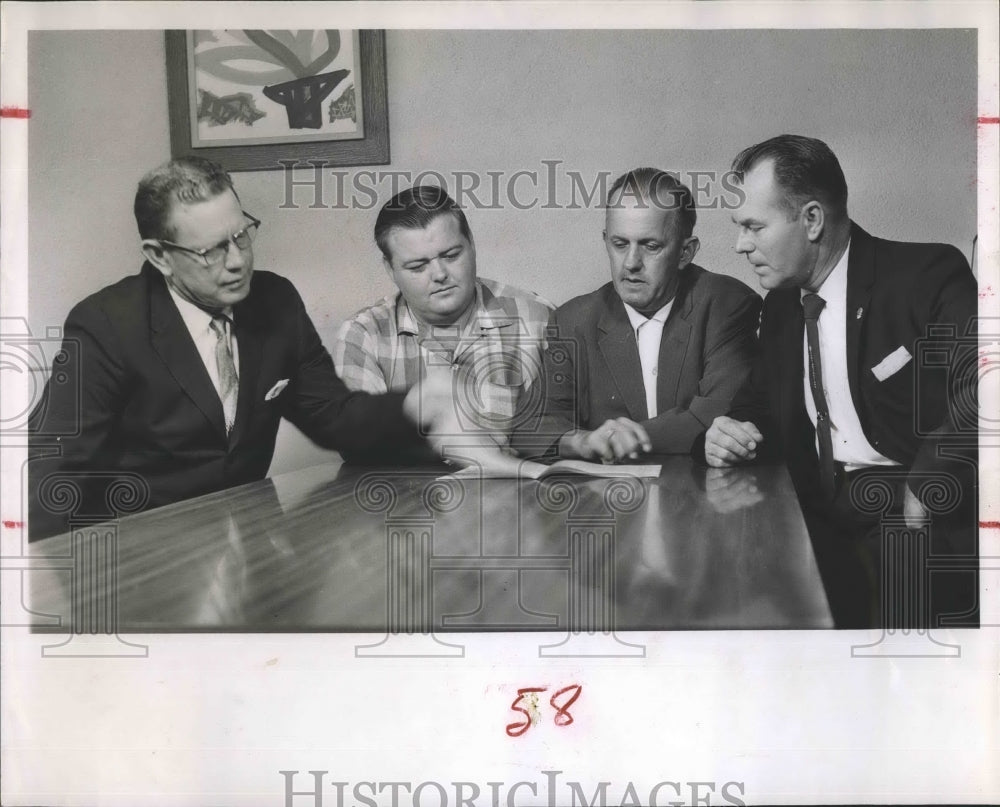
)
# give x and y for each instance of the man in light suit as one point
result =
(841, 392)
(175, 379)
(647, 361)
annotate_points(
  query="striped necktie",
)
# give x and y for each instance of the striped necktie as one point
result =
(228, 379)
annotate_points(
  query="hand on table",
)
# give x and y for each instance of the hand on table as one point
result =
(612, 441)
(730, 442)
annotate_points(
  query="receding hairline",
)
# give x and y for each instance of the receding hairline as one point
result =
(803, 170)
(181, 181)
(655, 188)
(673, 214)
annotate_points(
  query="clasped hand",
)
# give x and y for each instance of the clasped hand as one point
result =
(730, 442)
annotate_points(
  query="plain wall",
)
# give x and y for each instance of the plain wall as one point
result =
(898, 108)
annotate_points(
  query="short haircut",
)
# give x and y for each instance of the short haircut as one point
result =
(661, 189)
(414, 209)
(185, 180)
(804, 167)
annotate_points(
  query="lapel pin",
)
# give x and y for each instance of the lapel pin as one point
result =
(860, 312)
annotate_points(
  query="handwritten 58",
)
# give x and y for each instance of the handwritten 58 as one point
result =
(528, 696)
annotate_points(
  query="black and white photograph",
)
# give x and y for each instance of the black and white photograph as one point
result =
(499, 403)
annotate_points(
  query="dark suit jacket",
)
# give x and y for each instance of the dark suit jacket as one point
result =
(135, 401)
(895, 292)
(592, 370)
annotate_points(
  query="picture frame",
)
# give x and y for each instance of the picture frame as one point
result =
(198, 117)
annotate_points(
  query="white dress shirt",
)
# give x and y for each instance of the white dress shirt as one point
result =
(199, 325)
(648, 332)
(850, 446)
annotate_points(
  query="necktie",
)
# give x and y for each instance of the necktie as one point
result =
(648, 340)
(812, 304)
(228, 380)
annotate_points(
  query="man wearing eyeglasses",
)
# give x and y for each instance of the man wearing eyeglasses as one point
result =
(172, 382)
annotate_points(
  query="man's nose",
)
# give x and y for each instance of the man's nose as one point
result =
(743, 243)
(633, 260)
(439, 272)
(236, 258)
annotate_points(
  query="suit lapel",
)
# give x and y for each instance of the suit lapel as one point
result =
(621, 354)
(173, 344)
(674, 344)
(860, 277)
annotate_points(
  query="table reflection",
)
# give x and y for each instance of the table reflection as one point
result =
(411, 553)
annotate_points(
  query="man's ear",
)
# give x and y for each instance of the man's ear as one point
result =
(813, 219)
(690, 249)
(157, 255)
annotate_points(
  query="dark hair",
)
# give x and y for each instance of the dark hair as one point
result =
(414, 209)
(804, 167)
(184, 180)
(659, 188)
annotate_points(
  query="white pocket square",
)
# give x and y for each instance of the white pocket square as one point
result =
(276, 390)
(892, 363)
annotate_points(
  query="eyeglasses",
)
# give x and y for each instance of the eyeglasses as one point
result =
(215, 255)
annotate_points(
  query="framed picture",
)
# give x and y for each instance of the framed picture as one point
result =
(252, 98)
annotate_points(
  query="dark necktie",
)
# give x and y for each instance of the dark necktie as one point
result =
(228, 380)
(812, 304)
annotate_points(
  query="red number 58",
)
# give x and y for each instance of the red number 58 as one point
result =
(562, 716)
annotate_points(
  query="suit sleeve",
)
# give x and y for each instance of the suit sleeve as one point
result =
(72, 427)
(358, 424)
(947, 296)
(730, 351)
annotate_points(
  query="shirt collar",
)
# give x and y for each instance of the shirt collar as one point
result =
(197, 319)
(638, 319)
(834, 288)
(487, 313)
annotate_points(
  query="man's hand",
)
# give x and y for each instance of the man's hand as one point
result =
(731, 489)
(430, 403)
(730, 442)
(613, 441)
(914, 513)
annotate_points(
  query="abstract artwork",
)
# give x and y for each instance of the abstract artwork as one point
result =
(256, 99)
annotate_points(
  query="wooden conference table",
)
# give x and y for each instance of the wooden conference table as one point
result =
(404, 551)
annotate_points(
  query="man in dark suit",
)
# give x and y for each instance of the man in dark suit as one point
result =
(851, 391)
(172, 382)
(644, 363)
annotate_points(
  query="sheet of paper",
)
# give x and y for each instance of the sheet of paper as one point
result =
(509, 468)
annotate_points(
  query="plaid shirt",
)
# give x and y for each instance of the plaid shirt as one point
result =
(496, 359)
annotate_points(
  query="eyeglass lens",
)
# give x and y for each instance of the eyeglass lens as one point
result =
(242, 239)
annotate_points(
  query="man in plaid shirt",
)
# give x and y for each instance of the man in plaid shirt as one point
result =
(442, 316)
